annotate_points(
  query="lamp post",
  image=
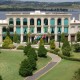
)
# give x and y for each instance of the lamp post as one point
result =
(59, 38)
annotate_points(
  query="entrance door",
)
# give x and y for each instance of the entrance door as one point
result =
(72, 38)
(38, 29)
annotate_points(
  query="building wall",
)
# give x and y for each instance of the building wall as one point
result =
(42, 17)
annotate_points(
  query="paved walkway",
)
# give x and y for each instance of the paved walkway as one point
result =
(55, 60)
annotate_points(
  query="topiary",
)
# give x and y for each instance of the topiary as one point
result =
(26, 48)
(25, 68)
(7, 42)
(21, 47)
(32, 61)
(56, 50)
(66, 52)
(11, 46)
(15, 38)
(77, 47)
(63, 37)
(32, 53)
(78, 36)
(42, 52)
(41, 42)
(52, 44)
(66, 48)
(0, 78)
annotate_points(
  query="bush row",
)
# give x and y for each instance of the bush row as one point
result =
(28, 65)
(64, 57)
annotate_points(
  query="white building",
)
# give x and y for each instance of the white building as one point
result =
(40, 24)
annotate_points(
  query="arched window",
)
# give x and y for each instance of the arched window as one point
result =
(17, 21)
(4, 30)
(38, 21)
(52, 21)
(45, 21)
(59, 21)
(24, 21)
(66, 21)
(11, 22)
(31, 21)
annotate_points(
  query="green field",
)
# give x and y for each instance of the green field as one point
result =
(63, 71)
(10, 63)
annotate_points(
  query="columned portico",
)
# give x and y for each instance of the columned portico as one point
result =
(21, 30)
(42, 24)
(0, 34)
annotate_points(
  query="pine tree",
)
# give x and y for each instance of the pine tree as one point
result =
(15, 37)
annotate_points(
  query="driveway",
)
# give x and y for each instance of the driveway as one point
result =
(55, 60)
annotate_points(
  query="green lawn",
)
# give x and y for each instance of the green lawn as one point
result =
(75, 55)
(10, 63)
(63, 71)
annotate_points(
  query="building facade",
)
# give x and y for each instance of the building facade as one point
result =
(40, 24)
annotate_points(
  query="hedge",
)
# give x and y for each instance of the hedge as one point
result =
(65, 57)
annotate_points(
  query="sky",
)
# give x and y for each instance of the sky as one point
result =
(53, 0)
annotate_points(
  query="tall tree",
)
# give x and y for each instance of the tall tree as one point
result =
(78, 36)
(15, 37)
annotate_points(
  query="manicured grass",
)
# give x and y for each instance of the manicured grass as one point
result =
(63, 71)
(75, 55)
(10, 63)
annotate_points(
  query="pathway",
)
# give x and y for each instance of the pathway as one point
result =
(55, 60)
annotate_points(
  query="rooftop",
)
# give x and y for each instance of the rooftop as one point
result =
(38, 13)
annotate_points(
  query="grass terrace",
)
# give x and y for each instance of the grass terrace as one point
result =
(10, 63)
(63, 71)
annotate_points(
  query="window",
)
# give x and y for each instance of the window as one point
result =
(18, 30)
(31, 21)
(59, 29)
(72, 26)
(25, 30)
(45, 21)
(24, 21)
(17, 21)
(65, 21)
(52, 21)
(32, 29)
(52, 30)
(65, 29)
(45, 29)
(59, 21)
(11, 21)
(4, 30)
(38, 21)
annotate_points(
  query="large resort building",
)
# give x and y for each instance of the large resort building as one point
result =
(40, 24)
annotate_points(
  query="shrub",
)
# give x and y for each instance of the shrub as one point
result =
(6, 42)
(0, 78)
(62, 37)
(42, 52)
(66, 52)
(52, 44)
(41, 42)
(66, 44)
(35, 42)
(26, 48)
(32, 61)
(11, 46)
(76, 75)
(32, 53)
(77, 47)
(15, 38)
(56, 51)
(78, 36)
(25, 68)
(66, 48)
(20, 47)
